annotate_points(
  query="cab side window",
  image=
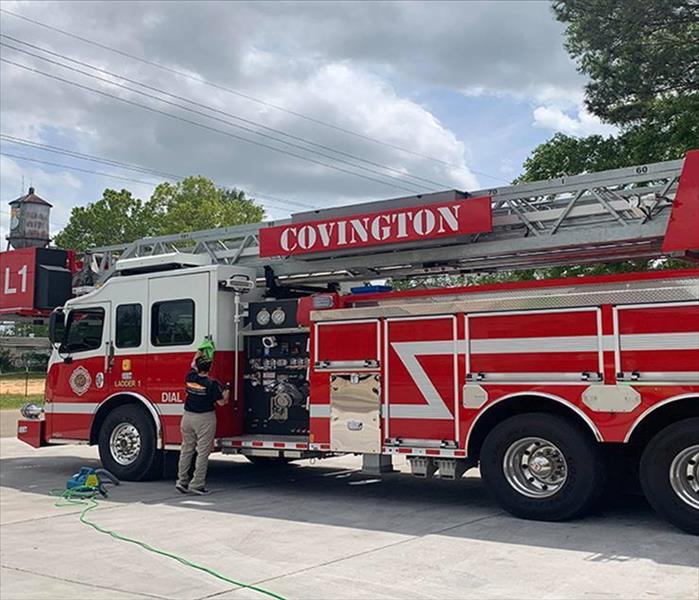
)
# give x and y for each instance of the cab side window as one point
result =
(172, 323)
(128, 326)
(84, 330)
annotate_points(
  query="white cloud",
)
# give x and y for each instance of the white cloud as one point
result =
(582, 124)
(356, 65)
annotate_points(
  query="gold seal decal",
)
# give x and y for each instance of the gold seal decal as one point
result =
(80, 381)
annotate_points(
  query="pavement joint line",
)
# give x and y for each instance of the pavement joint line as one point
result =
(77, 582)
(356, 554)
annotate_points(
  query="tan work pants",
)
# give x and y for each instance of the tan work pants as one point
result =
(198, 431)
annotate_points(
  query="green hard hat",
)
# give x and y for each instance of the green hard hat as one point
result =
(207, 348)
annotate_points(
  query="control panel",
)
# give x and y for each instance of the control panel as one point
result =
(276, 372)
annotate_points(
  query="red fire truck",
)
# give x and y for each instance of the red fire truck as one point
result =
(539, 383)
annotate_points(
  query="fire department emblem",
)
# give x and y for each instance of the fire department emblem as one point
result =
(80, 381)
(99, 380)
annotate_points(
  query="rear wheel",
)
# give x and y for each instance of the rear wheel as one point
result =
(670, 474)
(542, 466)
(128, 446)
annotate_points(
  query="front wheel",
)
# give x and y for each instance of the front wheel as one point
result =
(128, 446)
(669, 473)
(541, 466)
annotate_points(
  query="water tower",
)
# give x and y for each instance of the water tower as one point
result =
(29, 222)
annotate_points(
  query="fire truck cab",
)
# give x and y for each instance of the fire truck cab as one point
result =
(548, 386)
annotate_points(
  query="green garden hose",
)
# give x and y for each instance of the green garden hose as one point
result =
(87, 496)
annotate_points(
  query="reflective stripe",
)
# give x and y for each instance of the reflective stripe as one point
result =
(583, 343)
(319, 411)
(660, 341)
(76, 408)
(170, 409)
(577, 343)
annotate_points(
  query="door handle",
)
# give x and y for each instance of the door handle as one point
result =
(109, 359)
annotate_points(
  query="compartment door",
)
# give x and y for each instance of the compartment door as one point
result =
(355, 417)
(552, 346)
(421, 385)
(347, 345)
(657, 343)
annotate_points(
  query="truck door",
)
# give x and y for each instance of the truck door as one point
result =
(178, 317)
(78, 381)
(420, 375)
(129, 372)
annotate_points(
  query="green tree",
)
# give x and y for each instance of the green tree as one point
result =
(568, 155)
(642, 62)
(635, 53)
(189, 205)
(116, 218)
(196, 203)
(641, 59)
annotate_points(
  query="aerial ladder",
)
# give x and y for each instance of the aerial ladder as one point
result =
(639, 212)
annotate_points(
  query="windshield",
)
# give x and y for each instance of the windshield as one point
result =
(83, 330)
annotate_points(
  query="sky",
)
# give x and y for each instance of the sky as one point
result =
(301, 104)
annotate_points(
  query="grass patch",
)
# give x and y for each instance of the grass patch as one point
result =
(9, 401)
(22, 375)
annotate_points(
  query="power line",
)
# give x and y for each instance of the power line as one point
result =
(138, 168)
(205, 115)
(80, 155)
(72, 168)
(245, 96)
(403, 173)
(195, 123)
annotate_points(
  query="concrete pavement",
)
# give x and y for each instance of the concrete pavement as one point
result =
(321, 531)
(8, 422)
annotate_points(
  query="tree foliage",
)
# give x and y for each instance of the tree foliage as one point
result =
(192, 204)
(116, 218)
(642, 60)
(635, 52)
(568, 155)
(196, 203)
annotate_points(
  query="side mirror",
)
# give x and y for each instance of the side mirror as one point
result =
(57, 327)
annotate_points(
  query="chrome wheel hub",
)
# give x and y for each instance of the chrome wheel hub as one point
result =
(535, 467)
(684, 476)
(125, 443)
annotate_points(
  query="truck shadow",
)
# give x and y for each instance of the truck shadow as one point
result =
(327, 493)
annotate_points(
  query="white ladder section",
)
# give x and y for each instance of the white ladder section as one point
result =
(610, 215)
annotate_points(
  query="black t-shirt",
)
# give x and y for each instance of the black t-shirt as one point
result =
(202, 392)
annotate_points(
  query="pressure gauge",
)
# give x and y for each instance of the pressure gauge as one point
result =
(263, 317)
(278, 316)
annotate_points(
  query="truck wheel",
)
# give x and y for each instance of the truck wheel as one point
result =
(541, 466)
(127, 444)
(670, 474)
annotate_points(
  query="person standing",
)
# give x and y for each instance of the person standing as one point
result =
(198, 425)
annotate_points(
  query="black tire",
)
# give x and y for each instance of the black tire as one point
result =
(655, 471)
(269, 462)
(148, 461)
(578, 492)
